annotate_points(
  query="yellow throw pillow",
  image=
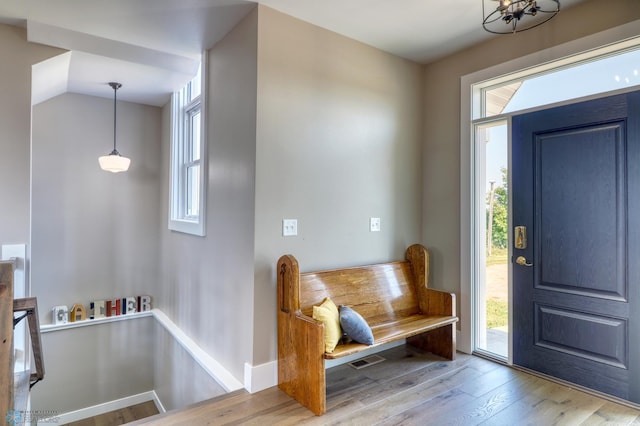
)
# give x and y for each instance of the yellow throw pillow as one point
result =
(329, 315)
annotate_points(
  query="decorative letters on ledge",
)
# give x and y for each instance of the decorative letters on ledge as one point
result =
(101, 309)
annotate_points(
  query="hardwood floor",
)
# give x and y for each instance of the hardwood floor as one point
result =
(120, 417)
(413, 388)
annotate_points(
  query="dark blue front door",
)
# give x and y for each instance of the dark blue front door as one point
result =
(576, 189)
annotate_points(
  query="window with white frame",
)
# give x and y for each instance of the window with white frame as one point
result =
(188, 158)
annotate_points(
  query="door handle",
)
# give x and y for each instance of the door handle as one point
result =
(522, 261)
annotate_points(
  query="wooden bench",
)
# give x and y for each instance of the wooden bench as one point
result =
(393, 298)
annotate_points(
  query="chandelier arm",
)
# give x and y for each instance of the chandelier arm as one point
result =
(497, 17)
(547, 11)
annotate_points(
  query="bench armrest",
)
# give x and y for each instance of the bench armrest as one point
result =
(301, 372)
(319, 326)
(437, 302)
(432, 302)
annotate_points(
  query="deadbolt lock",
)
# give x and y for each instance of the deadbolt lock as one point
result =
(520, 237)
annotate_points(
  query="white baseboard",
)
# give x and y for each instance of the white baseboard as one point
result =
(156, 400)
(106, 407)
(260, 377)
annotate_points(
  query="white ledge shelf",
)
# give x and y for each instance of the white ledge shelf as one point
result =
(47, 328)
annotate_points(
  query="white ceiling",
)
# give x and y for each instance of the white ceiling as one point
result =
(151, 46)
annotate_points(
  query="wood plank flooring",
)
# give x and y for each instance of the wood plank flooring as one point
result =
(413, 388)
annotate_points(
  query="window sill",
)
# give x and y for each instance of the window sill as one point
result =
(187, 227)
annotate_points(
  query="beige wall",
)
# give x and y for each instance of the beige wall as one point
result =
(92, 365)
(338, 141)
(206, 285)
(94, 236)
(17, 55)
(296, 130)
(441, 160)
(94, 233)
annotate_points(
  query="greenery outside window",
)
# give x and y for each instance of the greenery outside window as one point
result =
(188, 158)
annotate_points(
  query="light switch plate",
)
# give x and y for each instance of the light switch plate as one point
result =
(374, 224)
(289, 227)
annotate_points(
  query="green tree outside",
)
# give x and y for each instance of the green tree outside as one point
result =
(497, 310)
(499, 233)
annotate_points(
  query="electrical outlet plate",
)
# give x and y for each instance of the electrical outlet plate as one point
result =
(289, 227)
(374, 224)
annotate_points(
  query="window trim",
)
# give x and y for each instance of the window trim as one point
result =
(178, 219)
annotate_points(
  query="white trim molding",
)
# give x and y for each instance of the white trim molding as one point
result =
(18, 252)
(106, 407)
(48, 328)
(210, 365)
(260, 377)
(178, 221)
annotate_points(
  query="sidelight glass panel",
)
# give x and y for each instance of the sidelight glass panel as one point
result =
(492, 210)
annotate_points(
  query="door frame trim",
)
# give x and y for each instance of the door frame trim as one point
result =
(585, 48)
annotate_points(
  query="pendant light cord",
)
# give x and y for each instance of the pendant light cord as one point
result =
(115, 117)
(115, 87)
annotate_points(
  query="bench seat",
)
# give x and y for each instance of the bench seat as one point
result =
(395, 330)
(393, 298)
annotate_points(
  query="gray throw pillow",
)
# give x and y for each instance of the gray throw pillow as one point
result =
(354, 326)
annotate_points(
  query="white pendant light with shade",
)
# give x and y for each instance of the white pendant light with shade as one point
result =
(114, 162)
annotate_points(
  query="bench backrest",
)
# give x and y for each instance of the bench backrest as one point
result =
(380, 293)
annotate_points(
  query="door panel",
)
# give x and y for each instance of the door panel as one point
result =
(573, 197)
(572, 332)
(575, 185)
